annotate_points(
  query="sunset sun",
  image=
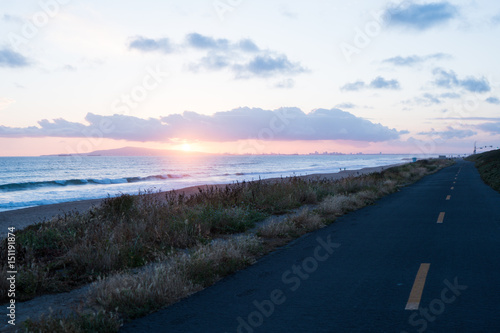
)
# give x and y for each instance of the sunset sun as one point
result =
(186, 147)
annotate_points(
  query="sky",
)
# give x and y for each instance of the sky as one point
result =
(249, 77)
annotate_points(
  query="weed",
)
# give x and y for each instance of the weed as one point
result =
(126, 232)
(136, 294)
(292, 226)
(104, 322)
(488, 165)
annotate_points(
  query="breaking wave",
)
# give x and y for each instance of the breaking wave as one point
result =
(75, 182)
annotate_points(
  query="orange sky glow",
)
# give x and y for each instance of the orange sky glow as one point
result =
(49, 146)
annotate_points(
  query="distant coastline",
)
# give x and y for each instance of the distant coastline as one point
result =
(130, 151)
(139, 151)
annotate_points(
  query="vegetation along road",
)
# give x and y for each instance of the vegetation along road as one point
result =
(422, 259)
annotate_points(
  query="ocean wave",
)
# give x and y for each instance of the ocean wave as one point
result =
(91, 181)
(18, 205)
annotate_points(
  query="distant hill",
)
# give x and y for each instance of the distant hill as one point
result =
(136, 151)
(488, 165)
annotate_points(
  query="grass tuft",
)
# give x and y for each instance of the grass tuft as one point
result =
(293, 226)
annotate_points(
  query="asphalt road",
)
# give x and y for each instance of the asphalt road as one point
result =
(390, 267)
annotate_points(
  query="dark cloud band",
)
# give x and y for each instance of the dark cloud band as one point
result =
(288, 124)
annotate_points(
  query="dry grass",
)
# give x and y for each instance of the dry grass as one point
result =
(135, 231)
(277, 229)
(337, 205)
(488, 165)
(386, 187)
(136, 294)
(292, 226)
(102, 322)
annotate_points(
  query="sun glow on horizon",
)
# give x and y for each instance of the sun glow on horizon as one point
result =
(186, 147)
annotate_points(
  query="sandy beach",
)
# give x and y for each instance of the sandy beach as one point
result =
(22, 218)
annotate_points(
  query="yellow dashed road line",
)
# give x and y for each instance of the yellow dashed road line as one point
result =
(418, 288)
(440, 217)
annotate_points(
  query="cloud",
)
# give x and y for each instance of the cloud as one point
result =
(421, 16)
(428, 99)
(194, 41)
(248, 45)
(204, 42)
(238, 124)
(414, 60)
(56, 128)
(495, 19)
(490, 127)
(60, 127)
(201, 42)
(130, 128)
(213, 61)
(469, 118)
(243, 57)
(151, 45)
(287, 12)
(290, 124)
(117, 127)
(267, 65)
(431, 98)
(69, 68)
(450, 95)
(377, 83)
(475, 85)
(9, 58)
(381, 83)
(449, 79)
(493, 100)
(11, 18)
(346, 106)
(285, 84)
(450, 133)
(354, 86)
(445, 79)
(290, 14)
(264, 65)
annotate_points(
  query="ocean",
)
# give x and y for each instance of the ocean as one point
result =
(34, 181)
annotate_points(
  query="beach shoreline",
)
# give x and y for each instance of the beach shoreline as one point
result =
(22, 218)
